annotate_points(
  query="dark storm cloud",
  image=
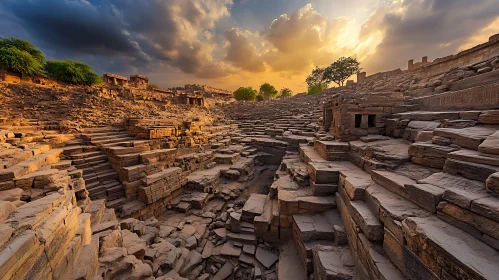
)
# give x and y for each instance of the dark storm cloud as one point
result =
(134, 32)
(433, 28)
(74, 25)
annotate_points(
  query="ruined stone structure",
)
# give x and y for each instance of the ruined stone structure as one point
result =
(394, 177)
(114, 79)
(192, 99)
(139, 81)
(349, 116)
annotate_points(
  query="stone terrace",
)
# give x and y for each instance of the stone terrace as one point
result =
(396, 177)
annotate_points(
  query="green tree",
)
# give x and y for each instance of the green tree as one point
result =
(260, 98)
(71, 72)
(317, 78)
(268, 90)
(314, 89)
(18, 61)
(20, 56)
(286, 92)
(23, 45)
(341, 70)
(245, 94)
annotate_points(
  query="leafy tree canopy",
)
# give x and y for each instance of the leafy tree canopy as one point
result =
(260, 98)
(314, 89)
(317, 78)
(152, 86)
(286, 92)
(341, 70)
(245, 94)
(19, 61)
(268, 90)
(72, 72)
(23, 45)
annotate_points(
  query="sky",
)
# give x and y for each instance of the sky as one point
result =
(233, 43)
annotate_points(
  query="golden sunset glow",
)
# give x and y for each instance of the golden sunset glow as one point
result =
(233, 43)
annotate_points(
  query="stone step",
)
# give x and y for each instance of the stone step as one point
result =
(325, 226)
(332, 150)
(30, 165)
(474, 171)
(116, 203)
(334, 263)
(106, 129)
(473, 156)
(469, 138)
(85, 155)
(243, 238)
(471, 259)
(113, 141)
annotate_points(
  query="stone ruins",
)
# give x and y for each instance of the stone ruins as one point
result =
(395, 176)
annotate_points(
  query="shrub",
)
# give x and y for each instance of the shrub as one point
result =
(245, 93)
(260, 97)
(23, 45)
(19, 61)
(316, 89)
(286, 92)
(71, 72)
(268, 90)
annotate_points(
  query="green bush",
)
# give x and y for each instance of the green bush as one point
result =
(71, 72)
(19, 61)
(260, 97)
(22, 45)
(268, 90)
(314, 89)
(245, 93)
(286, 92)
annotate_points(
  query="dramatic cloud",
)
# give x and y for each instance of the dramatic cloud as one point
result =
(138, 31)
(302, 40)
(232, 43)
(417, 28)
(241, 52)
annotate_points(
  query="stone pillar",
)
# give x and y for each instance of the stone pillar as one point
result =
(365, 122)
(361, 77)
(410, 64)
(424, 59)
(328, 119)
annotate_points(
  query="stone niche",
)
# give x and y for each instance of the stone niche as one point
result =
(349, 116)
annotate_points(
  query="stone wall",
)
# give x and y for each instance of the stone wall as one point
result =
(476, 54)
(484, 97)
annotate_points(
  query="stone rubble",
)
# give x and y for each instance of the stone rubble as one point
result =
(390, 178)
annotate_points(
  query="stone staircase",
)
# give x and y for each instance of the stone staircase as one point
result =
(48, 219)
(392, 205)
(413, 207)
(87, 154)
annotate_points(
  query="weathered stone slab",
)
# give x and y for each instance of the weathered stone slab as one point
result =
(445, 246)
(473, 171)
(469, 138)
(265, 257)
(490, 145)
(425, 195)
